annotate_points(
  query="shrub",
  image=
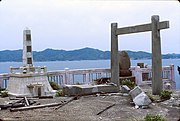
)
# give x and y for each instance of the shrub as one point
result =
(155, 117)
(128, 83)
(151, 97)
(59, 93)
(4, 93)
(54, 85)
(165, 94)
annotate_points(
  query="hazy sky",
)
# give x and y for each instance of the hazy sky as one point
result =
(75, 24)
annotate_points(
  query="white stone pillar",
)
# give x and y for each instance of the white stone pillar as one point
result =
(27, 48)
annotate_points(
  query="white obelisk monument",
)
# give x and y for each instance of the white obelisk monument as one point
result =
(28, 80)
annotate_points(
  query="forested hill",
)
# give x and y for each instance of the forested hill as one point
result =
(81, 54)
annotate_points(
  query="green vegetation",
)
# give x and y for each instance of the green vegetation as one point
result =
(129, 83)
(59, 93)
(155, 117)
(54, 85)
(4, 93)
(153, 98)
(165, 94)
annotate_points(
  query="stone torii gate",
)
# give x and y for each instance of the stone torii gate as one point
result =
(155, 26)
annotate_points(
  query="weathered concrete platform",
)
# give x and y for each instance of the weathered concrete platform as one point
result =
(29, 85)
(72, 90)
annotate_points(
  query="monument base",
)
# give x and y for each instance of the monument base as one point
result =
(30, 84)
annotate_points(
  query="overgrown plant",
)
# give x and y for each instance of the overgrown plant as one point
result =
(154, 117)
(59, 93)
(165, 94)
(128, 83)
(54, 85)
(151, 97)
(4, 93)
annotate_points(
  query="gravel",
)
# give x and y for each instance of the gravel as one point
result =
(87, 108)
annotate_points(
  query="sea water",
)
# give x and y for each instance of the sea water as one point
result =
(84, 64)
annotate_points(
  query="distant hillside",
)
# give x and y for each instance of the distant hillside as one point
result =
(81, 54)
(62, 55)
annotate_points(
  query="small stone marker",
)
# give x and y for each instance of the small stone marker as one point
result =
(124, 64)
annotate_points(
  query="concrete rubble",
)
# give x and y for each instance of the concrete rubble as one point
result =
(139, 97)
(175, 98)
(142, 100)
(72, 90)
(136, 91)
(125, 89)
(19, 103)
(174, 101)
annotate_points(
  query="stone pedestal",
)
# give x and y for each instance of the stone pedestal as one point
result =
(29, 85)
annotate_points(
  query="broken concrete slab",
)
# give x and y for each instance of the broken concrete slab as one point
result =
(139, 97)
(125, 89)
(135, 92)
(71, 90)
(142, 100)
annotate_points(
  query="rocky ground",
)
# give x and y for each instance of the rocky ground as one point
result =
(87, 108)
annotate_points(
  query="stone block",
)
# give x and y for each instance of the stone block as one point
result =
(135, 92)
(125, 89)
(124, 61)
(142, 100)
(72, 90)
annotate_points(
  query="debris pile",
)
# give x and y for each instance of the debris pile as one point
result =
(20, 103)
(174, 100)
(29, 104)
